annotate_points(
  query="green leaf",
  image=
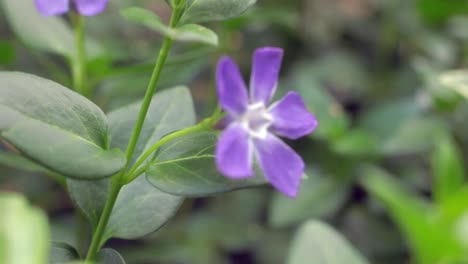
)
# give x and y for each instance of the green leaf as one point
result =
(140, 208)
(18, 162)
(186, 167)
(185, 33)
(356, 143)
(170, 110)
(456, 80)
(413, 136)
(50, 34)
(448, 169)
(318, 243)
(56, 127)
(62, 253)
(7, 52)
(307, 80)
(110, 256)
(430, 241)
(214, 10)
(319, 197)
(24, 232)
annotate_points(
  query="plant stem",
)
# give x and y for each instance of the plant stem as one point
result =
(163, 54)
(117, 183)
(114, 191)
(79, 73)
(131, 175)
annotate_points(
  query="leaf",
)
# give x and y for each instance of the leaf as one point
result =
(330, 114)
(18, 162)
(456, 80)
(413, 136)
(62, 253)
(7, 52)
(110, 256)
(24, 231)
(356, 143)
(56, 127)
(214, 10)
(319, 197)
(50, 34)
(140, 208)
(170, 110)
(186, 167)
(318, 243)
(430, 241)
(448, 170)
(185, 33)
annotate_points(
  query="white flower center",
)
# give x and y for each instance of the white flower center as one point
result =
(256, 120)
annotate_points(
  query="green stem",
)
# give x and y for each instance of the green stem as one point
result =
(117, 184)
(114, 191)
(134, 172)
(79, 73)
(163, 54)
(206, 124)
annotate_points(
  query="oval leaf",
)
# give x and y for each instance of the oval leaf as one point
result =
(185, 33)
(456, 80)
(56, 127)
(140, 208)
(24, 232)
(214, 10)
(62, 253)
(186, 166)
(318, 243)
(319, 197)
(110, 256)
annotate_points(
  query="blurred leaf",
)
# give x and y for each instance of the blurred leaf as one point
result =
(332, 119)
(318, 243)
(440, 10)
(56, 127)
(448, 169)
(319, 197)
(127, 85)
(186, 33)
(44, 33)
(62, 253)
(430, 242)
(24, 232)
(186, 166)
(214, 10)
(356, 143)
(384, 120)
(7, 52)
(456, 80)
(110, 256)
(414, 136)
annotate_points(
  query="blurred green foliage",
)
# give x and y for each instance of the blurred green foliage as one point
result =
(386, 166)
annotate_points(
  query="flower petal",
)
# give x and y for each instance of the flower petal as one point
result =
(232, 92)
(281, 165)
(291, 118)
(234, 153)
(265, 73)
(90, 7)
(52, 8)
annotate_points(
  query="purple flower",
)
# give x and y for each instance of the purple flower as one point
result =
(59, 7)
(252, 126)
